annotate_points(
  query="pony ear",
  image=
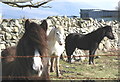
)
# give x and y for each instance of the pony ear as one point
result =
(55, 26)
(27, 23)
(44, 25)
(107, 27)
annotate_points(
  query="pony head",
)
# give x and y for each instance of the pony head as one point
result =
(59, 35)
(109, 32)
(36, 35)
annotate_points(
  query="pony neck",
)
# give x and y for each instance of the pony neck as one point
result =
(98, 35)
(51, 36)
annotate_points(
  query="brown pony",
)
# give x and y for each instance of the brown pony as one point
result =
(26, 66)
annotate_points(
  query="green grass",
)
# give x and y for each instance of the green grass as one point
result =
(105, 67)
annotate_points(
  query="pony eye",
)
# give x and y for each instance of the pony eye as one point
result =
(57, 33)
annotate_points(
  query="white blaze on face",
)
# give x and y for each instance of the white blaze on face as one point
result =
(37, 64)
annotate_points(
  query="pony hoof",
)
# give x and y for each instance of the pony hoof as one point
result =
(51, 70)
(91, 64)
(59, 75)
(97, 57)
(69, 62)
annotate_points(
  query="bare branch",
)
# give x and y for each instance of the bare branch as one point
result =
(35, 5)
(16, 1)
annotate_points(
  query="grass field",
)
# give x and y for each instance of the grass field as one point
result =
(106, 68)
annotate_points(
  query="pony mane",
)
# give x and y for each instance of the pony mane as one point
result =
(98, 30)
(51, 33)
(61, 28)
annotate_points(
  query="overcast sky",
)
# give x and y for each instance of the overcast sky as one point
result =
(59, 7)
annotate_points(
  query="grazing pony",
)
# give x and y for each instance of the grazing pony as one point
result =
(28, 62)
(55, 47)
(89, 41)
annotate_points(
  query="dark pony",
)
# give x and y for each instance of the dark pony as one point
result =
(89, 41)
(20, 68)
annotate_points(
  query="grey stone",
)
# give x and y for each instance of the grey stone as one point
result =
(101, 46)
(15, 30)
(2, 46)
(8, 36)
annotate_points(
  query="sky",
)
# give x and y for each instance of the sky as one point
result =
(59, 8)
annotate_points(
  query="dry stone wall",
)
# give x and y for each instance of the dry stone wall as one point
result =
(11, 30)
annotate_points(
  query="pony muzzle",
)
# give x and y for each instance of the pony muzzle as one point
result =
(111, 36)
(60, 43)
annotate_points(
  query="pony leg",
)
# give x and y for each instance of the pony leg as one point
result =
(91, 60)
(52, 65)
(57, 67)
(91, 56)
(49, 65)
(69, 53)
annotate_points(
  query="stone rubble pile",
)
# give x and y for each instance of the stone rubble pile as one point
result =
(11, 30)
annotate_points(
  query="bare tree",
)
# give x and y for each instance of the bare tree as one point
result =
(23, 4)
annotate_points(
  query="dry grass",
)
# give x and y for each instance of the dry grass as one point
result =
(106, 68)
